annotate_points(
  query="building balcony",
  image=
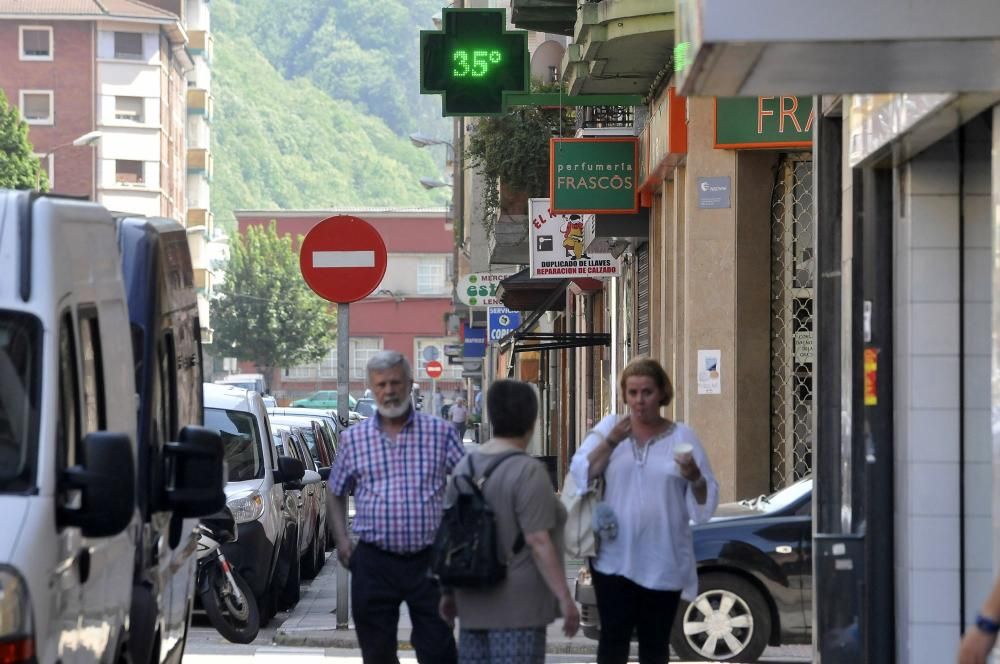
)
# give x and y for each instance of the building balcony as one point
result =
(199, 162)
(553, 16)
(201, 217)
(200, 102)
(200, 42)
(604, 117)
(203, 279)
(619, 46)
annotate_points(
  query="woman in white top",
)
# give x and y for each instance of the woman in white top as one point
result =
(657, 480)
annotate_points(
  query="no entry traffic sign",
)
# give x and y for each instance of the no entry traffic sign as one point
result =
(434, 369)
(343, 258)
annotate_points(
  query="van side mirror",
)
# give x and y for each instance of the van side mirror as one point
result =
(106, 485)
(194, 472)
(289, 470)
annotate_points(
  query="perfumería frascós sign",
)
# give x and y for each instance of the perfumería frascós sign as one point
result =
(594, 175)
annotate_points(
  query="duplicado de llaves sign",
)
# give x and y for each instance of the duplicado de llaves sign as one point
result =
(594, 175)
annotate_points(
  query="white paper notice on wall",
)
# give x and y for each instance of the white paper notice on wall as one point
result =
(709, 372)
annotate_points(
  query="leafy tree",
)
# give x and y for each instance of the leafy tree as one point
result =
(265, 311)
(514, 149)
(19, 168)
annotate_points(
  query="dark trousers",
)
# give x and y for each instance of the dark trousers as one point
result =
(380, 582)
(624, 607)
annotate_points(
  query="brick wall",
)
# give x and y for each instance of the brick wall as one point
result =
(70, 75)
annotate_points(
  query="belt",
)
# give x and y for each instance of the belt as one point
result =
(394, 554)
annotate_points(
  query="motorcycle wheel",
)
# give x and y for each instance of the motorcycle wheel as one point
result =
(236, 622)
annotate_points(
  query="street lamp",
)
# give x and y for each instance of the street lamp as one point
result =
(431, 183)
(90, 138)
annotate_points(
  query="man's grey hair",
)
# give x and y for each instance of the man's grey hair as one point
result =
(390, 359)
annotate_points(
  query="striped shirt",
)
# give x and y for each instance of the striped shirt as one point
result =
(398, 486)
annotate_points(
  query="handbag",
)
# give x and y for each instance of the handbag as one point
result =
(578, 534)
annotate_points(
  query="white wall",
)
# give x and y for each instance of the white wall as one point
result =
(150, 41)
(401, 274)
(133, 201)
(928, 407)
(198, 192)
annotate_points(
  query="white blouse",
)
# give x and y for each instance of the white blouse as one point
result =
(655, 507)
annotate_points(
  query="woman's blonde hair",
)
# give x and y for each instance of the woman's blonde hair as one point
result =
(647, 366)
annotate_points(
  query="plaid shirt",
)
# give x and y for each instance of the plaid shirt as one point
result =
(398, 486)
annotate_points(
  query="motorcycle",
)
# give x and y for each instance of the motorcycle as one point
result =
(226, 597)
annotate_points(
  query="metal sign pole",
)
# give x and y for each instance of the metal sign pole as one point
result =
(343, 414)
(434, 390)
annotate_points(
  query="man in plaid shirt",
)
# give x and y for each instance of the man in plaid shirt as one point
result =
(397, 464)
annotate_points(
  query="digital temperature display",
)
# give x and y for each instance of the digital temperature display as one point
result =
(473, 62)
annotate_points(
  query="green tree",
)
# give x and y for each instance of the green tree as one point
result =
(19, 167)
(265, 311)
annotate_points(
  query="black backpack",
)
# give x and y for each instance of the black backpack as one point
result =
(464, 553)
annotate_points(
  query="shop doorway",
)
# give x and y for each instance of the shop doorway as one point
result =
(792, 332)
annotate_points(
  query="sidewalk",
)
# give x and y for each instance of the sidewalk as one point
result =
(313, 622)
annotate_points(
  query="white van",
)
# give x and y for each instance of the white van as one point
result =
(253, 381)
(68, 513)
(267, 545)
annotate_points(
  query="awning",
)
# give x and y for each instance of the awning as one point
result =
(790, 47)
(544, 295)
(554, 16)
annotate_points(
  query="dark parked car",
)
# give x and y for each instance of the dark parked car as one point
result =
(754, 580)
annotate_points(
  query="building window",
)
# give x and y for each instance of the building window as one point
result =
(430, 277)
(46, 163)
(129, 109)
(362, 350)
(128, 171)
(36, 107)
(128, 45)
(421, 355)
(36, 42)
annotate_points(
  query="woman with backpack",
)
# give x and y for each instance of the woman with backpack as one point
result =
(504, 622)
(657, 479)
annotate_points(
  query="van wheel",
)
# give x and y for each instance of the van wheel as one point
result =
(320, 552)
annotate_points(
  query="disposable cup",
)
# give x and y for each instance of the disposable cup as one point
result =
(682, 451)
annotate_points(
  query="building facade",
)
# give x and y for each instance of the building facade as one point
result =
(409, 311)
(137, 74)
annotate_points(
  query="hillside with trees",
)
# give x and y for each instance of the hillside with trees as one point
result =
(313, 102)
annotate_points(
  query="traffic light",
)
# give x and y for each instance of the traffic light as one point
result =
(473, 62)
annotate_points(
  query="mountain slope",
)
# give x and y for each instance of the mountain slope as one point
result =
(285, 143)
(362, 51)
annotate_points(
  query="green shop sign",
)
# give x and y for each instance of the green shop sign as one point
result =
(593, 175)
(763, 122)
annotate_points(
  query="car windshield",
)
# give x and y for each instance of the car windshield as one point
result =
(366, 408)
(779, 500)
(241, 440)
(20, 378)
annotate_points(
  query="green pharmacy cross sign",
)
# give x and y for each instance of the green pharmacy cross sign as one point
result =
(473, 62)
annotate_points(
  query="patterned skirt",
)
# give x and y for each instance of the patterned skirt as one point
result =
(502, 646)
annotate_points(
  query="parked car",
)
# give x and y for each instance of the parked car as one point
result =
(325, 399)
(322, 445)
(309, 497)
(366, 407)
(269, 401)
(179, 463)
(267, 543)
(251, 381)
(68, 485)
(754, 580)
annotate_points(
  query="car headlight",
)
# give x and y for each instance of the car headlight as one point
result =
(246, 507)
(17, 631)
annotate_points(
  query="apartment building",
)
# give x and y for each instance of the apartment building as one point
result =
(117, 67)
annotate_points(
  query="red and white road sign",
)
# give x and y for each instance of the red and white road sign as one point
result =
(434, 369)
(343, 259)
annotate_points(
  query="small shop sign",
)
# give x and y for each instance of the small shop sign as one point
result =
(763, 122)
(594, 175)
(558, 248)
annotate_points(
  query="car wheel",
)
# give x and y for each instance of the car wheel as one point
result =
(728, 620)
(291, 592)
(308, 561)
